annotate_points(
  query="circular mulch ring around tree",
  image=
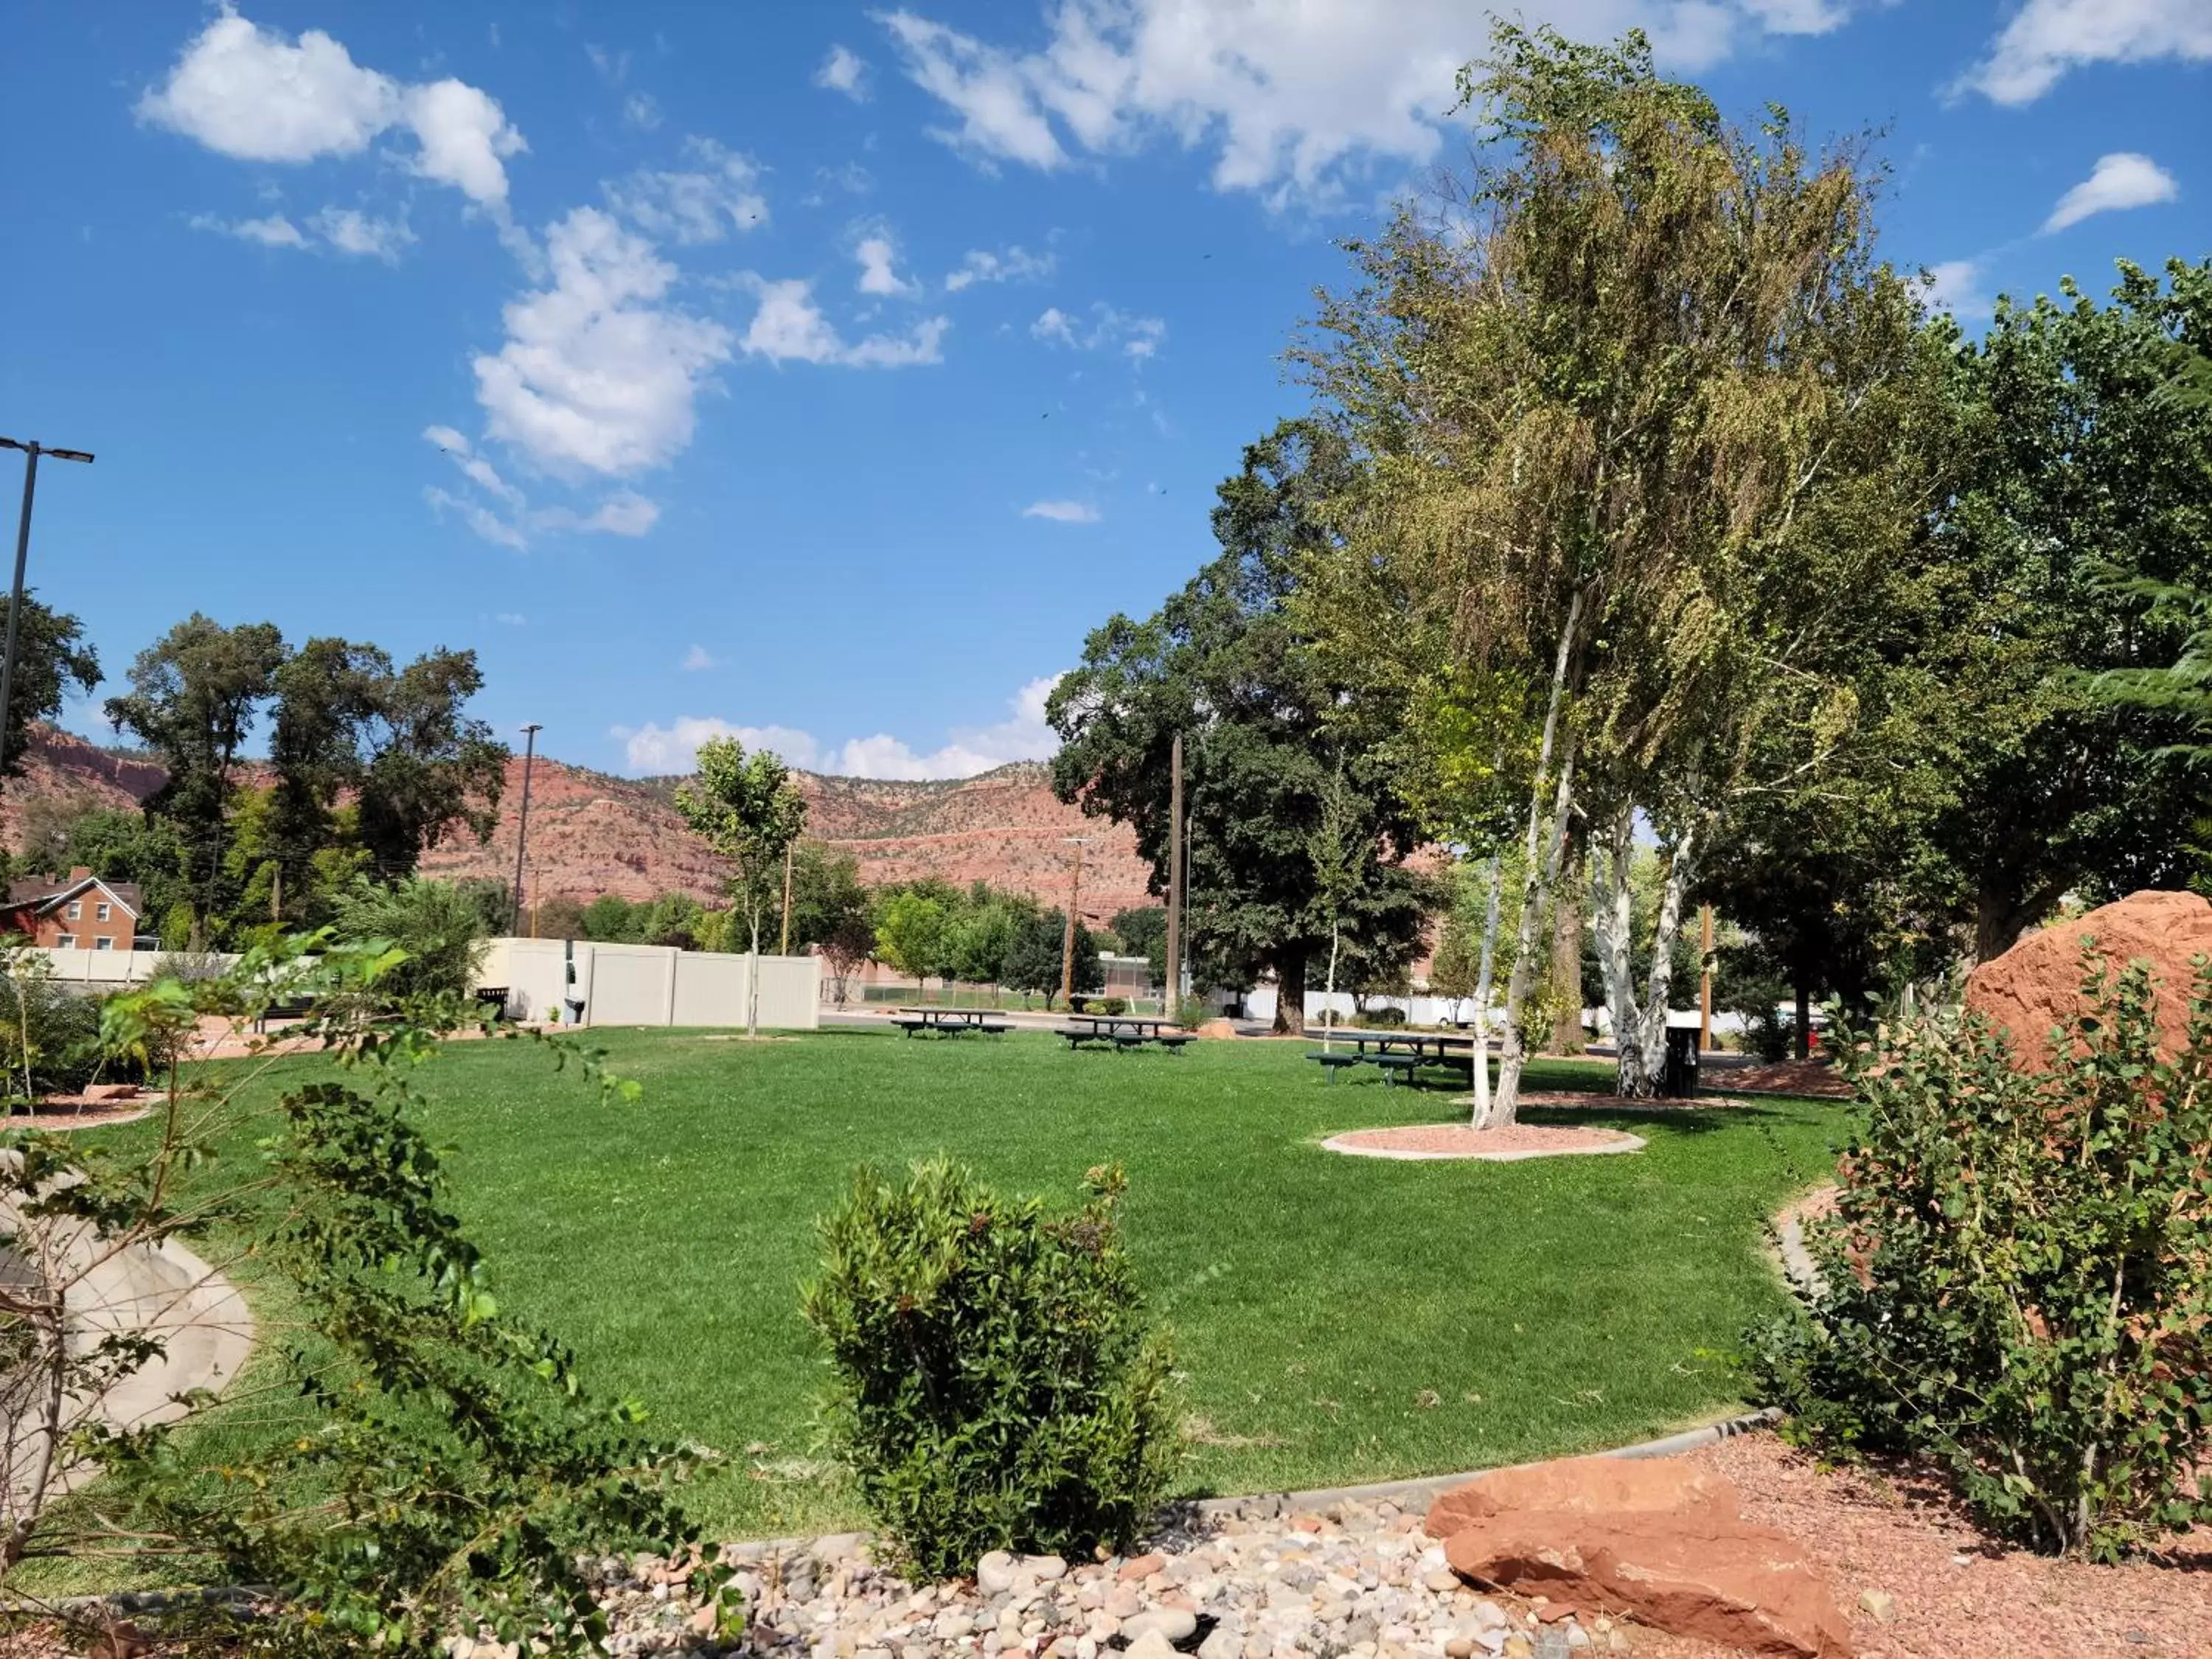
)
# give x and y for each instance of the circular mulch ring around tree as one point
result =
(1429, 1142)
(1586, 1100)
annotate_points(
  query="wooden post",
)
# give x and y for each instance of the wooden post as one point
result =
(785, 949)
(1174, 996)
(1705, 980)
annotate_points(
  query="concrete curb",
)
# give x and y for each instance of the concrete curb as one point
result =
(1424, 1489)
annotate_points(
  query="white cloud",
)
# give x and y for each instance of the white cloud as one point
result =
(1105, 327)
(350, 231)
(966, 750)
(512, 522)
(790, 327)
(2046, 39)
(598, 374)
(1955, 286)
(1010, 264)
(1285, 93)
(641, 111)
(721, 191)
(844, 71)
(1062, 512)
(275, 231)
(510, 619)
(697, 659)
(2123, 180)
(249, 92)
(878, 255)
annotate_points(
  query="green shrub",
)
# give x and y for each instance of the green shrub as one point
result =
(2019, 1277)
(1385, 1015)
(438, 924)
(49, 1035)
(995, 1383)
(1191, 1012)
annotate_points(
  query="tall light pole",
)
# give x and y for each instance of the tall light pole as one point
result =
(31, 450)
(1067, 934)
(522, 831)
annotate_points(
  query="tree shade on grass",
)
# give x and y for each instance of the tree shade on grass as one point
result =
(1335, 1319)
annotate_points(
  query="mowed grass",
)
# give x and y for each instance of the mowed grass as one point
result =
(1336, 1318)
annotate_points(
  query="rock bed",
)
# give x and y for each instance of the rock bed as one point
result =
(1358, 1581)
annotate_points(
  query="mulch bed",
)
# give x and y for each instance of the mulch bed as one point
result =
(1895, 1526)
(1591, 1101)
(1789, 1077)
(1449, 1140)
(89, 1110)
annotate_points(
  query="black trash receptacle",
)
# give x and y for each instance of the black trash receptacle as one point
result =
(1680, 1080)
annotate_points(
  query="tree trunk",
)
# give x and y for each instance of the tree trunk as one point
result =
(1487, 965)
(753, 981)
(1543, 869)
(1803, 1041)
(2000, 918)
(1612, 907)
(1328, 1000)
(1291, 995)
(1681, 861)
(1567, 960)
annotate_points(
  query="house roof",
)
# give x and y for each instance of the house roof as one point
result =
(42, 893)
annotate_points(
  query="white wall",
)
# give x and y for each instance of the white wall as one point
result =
(104, 970)
(649, 984)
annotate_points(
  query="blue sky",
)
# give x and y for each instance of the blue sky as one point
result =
(825, 372)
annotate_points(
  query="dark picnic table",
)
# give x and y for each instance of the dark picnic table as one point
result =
(948, 1022)
(1397, 1053)
(1123, 1031)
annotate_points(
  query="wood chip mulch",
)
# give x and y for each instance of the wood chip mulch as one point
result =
(1895, 1529)
(1457, 1141)
(1789, 1076)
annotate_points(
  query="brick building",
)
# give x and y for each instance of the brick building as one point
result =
(78, 911)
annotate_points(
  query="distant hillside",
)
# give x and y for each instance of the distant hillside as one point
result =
(592, 834)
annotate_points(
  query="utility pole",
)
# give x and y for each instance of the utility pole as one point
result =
(31, 450)
(1067, 933)
(522, 831)
(785, 949)
(1705, 982)
(1175, 879)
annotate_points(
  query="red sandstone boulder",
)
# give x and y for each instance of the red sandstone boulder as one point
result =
(1585, 1485)
(1658, 1540)
(2038, 983)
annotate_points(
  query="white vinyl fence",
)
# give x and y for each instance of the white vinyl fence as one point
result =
(580, 981)
(105, 970)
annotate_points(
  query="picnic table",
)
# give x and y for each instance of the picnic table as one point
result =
(1122, 1031)
(948, 1022)
(1397, 1053)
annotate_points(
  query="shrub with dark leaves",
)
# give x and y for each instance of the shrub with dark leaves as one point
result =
(2018, 1279)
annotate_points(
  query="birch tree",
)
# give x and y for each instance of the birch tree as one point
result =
(1608, 386)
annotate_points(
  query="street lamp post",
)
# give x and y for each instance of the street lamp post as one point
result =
(31, 450)
(1067, 934)
(522, 829)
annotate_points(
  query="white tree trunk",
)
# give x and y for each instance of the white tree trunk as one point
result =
(1328, 997)
(1681, 863)
(752, 979)
(1613, 915)
(1545, 825)
(1495, 883)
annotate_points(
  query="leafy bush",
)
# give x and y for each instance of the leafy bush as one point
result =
(49, 1035)
(1101, 1005)
(1191, 1012)
(995, 1383)
(1387, 1014)
(437, 924)
(441, 1467)
(2019, 1277)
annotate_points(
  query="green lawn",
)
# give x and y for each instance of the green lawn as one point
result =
(1337, 1319)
